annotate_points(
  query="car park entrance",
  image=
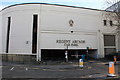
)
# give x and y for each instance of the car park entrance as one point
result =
(60, 54)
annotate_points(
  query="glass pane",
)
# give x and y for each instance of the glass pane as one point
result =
(109, 51)
(109, 40)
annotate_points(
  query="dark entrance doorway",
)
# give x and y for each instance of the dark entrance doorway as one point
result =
(52, 54)
(60, 54)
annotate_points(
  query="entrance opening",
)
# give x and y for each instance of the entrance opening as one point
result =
(52, 54)
(73, 55)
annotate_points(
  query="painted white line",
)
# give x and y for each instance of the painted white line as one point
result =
(90, 75)
(26, 69)
(12, 68)
(0, 66)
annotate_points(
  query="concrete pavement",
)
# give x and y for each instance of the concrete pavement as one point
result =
(92, 69)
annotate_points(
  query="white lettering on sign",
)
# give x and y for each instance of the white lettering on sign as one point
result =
(70, 42)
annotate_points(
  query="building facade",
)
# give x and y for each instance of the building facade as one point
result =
(116, 8)
(47, 31)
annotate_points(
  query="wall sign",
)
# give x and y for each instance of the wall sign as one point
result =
(70, 42)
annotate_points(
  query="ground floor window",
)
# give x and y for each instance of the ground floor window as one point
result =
(109, 44)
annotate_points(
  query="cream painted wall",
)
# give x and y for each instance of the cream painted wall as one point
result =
(0, 33)
(20, 29)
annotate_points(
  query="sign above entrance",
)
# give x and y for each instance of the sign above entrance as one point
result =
(70, 42)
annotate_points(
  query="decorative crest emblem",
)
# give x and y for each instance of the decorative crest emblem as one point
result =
(71, 22)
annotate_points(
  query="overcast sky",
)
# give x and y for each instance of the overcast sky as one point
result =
(95, 4)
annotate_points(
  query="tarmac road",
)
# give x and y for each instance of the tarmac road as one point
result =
(92, 69)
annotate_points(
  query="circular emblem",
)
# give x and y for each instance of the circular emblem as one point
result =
(71, 22)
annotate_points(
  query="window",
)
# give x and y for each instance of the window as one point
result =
(8, 34)
(109, 51)
(109, 40)
(105, 22)
(109, 44)
(111, 23)
(34, 37)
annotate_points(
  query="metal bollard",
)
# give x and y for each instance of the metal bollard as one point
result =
(66, 56)
(81, 63)
(115, 59)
